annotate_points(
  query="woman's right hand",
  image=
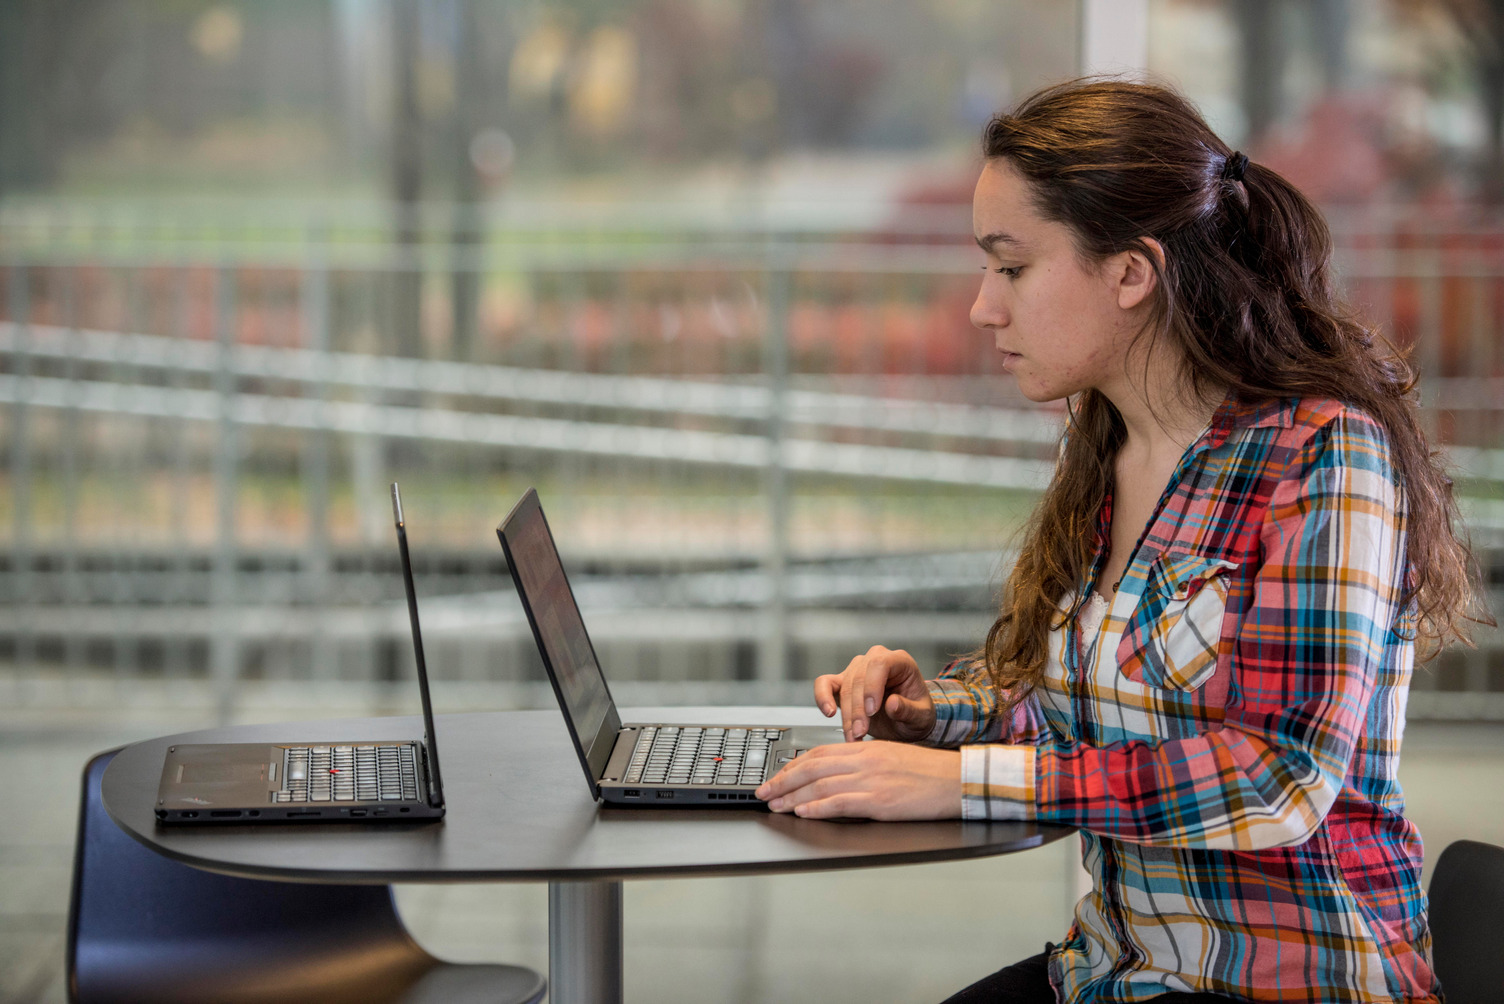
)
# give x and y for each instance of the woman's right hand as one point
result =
(880, 693)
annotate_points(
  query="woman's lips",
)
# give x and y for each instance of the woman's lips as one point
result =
(1009, 358)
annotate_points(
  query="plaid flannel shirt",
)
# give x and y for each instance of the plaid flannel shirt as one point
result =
(1228, 742)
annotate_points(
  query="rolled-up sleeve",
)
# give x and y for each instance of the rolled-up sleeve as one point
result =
(967, 710)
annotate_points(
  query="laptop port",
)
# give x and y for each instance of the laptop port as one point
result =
(665, 794)
(632, 793)
(225, 813)
(299, 814)
(357, 812)
(190, 815)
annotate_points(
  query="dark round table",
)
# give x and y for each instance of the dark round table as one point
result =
(519, 809)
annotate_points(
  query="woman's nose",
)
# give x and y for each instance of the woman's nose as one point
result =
(988, 311)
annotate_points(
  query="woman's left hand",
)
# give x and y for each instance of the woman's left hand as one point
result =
(874, 779)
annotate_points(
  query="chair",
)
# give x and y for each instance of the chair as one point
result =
(142, 927)
(1467, 922)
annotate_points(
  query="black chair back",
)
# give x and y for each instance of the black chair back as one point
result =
(1467, 922)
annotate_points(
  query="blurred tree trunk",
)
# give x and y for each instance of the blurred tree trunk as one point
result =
(1263, 47)
(1482, 24)
(468, 237)
(1333, 23)
(18, 119)
(1490, 69)
(407, 181)
(55, 56)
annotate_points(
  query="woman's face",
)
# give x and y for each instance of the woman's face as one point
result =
(1061, 327)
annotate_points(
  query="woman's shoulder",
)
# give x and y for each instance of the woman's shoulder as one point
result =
(1325, 438)
(1292, 438)
(1297, 421)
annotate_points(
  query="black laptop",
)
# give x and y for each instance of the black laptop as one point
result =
(311, 780)
(634, 763)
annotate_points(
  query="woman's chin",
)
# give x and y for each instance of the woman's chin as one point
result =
(1035, 392)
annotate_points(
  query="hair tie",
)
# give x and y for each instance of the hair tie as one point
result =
(1234, 166)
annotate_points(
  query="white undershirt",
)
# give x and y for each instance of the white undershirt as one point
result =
(1091, 617)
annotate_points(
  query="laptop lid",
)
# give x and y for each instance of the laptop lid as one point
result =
(568, 656)
(430, 737)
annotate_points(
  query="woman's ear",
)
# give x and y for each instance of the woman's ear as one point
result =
(1136, 276)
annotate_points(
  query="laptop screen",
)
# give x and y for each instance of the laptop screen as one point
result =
(556, 619)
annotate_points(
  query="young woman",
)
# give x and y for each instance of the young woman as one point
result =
(1204, 649)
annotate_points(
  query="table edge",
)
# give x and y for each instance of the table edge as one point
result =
(1037, 835)
(1044, 833)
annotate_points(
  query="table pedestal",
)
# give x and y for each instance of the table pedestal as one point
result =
(584, 943)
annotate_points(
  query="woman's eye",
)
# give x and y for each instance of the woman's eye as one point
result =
(1010, 271)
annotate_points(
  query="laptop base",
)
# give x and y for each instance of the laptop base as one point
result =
(239, 783)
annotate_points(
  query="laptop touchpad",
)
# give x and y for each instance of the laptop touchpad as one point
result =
(220, 773)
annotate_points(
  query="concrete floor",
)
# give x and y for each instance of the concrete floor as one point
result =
(898, 934)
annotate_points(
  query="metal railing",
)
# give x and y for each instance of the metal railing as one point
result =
(760, 451)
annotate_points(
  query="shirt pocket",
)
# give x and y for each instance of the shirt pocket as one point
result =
(1171, 640)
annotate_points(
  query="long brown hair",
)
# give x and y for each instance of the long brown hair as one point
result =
(1244, 294)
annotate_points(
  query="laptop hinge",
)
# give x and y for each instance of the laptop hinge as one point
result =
(434, 802)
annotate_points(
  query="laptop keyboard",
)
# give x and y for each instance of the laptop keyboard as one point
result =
(349, 774)
(700, 755)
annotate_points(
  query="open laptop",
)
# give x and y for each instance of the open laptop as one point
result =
(634, 763)
(311, 780)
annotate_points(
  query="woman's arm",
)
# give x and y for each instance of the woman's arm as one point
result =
(896, 780)
(1304, 663)
(967, 710)
(882, 694)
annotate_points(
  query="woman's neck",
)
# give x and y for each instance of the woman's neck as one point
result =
(1163, 419)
